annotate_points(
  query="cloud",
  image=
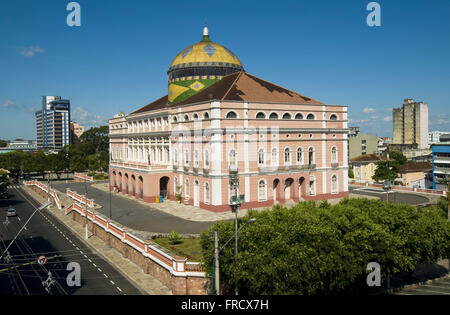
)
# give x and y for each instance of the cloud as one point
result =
(9, 104)
(369, 110)
(31, 51)
(387, 118)
(87, 119)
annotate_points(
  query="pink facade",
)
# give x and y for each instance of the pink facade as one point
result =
(283, 151)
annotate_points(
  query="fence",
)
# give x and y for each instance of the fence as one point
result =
(79, 198)
(44, 188)
(83, 177)
(178, 269)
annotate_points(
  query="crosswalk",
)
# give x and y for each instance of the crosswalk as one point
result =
(14, 186)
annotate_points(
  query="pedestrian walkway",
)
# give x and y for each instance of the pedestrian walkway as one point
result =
(146, 283)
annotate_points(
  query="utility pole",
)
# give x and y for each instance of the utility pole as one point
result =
(216, 259)
(235, 203)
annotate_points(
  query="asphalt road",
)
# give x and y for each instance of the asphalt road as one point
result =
(133, 214)
(44, 235)
(395, 196)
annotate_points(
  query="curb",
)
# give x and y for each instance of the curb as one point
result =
(417, 285)
(94, 249)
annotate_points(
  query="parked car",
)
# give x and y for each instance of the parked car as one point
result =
(11, 212)
(4, 195)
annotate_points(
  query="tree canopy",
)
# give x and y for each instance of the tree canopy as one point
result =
(316, 248)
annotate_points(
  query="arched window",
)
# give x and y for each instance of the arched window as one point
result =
(287, 116)
(206, 115)
(287, 156)
(261, 156)
(175, 156)
(274, 156)
(299, 116)
(195, 116)
(260, 115)
(186, 117)
(206, 197)
(310, 117)
(175, 119)
(186, 157)
(334, 185)
(334, 155)
(311, 156)
(196, 158)
(299, 156)
(273, 116)
(262, 190)
(333, 117)
(312, 186)
(206, 162)
(231, 115)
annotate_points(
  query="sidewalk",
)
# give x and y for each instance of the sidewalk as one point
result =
(147, 284)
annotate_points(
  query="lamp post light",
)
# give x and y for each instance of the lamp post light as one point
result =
(217, 251)
(235, 201)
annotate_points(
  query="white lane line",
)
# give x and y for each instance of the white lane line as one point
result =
(85, 256)
(90, 260)
(119, 289)
(94, 265)
(18, 218)
(112, 282)
(105, 275)
(99, 269)
(77, 248)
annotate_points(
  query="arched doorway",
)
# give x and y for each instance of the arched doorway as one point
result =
(120, 181)
(276, 184)
(288, 192)
(133, 184)
(141, 187)
(126, 183)
(114, 180)
(164, 186)
(301, 188)
(196, 194)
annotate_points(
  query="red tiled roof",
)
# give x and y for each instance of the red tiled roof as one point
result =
(239, 86)
(411, 167)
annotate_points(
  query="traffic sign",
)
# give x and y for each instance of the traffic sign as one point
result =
(41, 260)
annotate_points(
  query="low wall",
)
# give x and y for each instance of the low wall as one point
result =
(82, 177)
(43, 190)
(401, 188)
(181, 276)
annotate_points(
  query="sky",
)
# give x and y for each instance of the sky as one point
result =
(117, 60)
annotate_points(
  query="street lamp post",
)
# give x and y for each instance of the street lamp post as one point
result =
(217, 251)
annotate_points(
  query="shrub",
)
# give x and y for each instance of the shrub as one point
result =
(175, 238)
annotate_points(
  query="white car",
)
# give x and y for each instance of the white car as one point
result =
(11, 212)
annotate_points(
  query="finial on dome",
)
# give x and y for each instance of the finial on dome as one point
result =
(206, 34)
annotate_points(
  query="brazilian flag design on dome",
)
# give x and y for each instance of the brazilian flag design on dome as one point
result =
(181, 90)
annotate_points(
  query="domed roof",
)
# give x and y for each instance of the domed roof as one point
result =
(206, 53)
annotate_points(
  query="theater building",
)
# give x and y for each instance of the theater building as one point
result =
(216, 116)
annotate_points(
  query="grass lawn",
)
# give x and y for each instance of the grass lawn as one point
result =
(189, 247)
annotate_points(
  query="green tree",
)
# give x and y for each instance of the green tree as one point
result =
(4, 180)
(317, 248)
(98, 137)
(398, 157)
(386, 170)
(3, 143)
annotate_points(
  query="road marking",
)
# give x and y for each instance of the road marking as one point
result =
(77, 248)
(85, 256)
(112, 282)
(105, 275)
(18, 218)
(94, 265)
(119, 289)
(90, 260)
(99, 269)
